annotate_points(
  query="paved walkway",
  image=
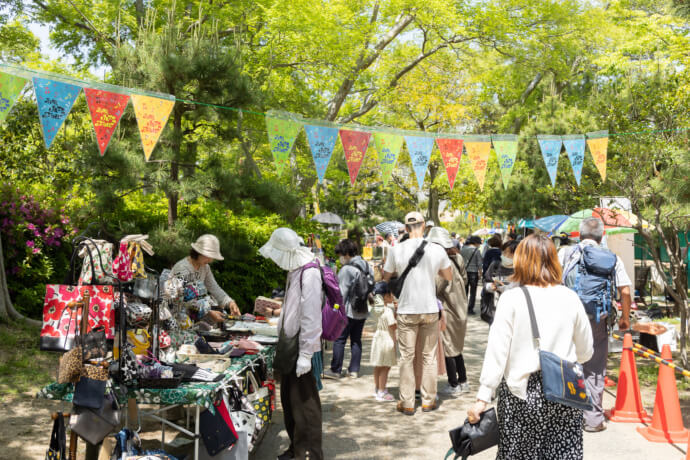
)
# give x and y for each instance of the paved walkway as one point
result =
(356, 426)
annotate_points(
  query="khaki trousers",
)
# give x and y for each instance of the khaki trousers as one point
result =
(409, 327)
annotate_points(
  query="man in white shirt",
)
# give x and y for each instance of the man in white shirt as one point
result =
(300, 314)
(418, 311)
(591, 233)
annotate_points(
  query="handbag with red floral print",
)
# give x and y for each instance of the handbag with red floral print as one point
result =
(61, 322)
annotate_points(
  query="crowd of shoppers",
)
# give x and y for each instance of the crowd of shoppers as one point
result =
(437, 275)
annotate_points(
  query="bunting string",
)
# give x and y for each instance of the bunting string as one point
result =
(56, 93)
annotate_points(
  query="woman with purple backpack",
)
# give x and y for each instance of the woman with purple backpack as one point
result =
(298, 353)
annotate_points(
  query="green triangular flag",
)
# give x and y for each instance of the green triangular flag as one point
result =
(10, 87)
(388, 148)
(281, 137)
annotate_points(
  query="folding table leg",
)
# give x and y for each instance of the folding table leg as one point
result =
(196, 434)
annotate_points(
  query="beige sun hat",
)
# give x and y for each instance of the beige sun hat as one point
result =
(286, 249)
(209, 246)
(440, 236)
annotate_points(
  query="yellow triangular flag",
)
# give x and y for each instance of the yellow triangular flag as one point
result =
(152, 115)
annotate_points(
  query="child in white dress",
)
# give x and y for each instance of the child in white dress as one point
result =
(383, 355)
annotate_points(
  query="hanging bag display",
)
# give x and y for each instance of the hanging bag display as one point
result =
(94, 425)
(58, 440)
(136, 255)
(563, 381)
(98, 268)
(122, 265)
(259, 398)
(61, 320)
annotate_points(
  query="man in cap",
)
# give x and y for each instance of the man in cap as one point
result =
(418, 311)
(300, 320)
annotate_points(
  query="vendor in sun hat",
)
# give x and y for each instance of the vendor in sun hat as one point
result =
(195, 267)
(300, 320)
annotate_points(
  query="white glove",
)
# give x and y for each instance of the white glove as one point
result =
(303, 364)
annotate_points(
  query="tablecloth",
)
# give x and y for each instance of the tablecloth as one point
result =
(195, 393)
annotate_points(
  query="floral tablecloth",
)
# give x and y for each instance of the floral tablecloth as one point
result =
(194, 393)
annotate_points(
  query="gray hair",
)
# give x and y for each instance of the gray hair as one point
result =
(592, 228)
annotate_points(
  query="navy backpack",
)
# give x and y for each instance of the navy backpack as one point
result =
(593, 277)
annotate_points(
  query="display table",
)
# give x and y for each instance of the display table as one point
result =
(198, 394)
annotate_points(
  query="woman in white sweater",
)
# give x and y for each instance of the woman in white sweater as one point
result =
(529, 425)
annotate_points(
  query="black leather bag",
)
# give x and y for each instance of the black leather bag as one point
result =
(396, 284)
(89, 393)
(470, 439)
(487, 306)
(58, 440)
(217, 432)
(93, 344)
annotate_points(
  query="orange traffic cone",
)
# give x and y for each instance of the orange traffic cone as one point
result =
(667, 422)
(687, 450)
(628, 408)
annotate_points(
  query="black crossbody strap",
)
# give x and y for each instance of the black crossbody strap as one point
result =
(532, 317)
(472, 256)
(414, 260)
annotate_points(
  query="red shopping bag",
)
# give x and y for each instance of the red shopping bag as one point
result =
(61, 323)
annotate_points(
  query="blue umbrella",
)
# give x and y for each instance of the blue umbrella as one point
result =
(550, 224)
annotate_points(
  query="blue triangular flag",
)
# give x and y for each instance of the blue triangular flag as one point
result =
(575, 146)
(54, 100)
(321, 141)
(420, 152)
(550, 149)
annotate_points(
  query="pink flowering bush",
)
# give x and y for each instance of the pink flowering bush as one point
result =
(34, 249)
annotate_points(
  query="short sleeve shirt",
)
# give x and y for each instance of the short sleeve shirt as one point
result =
(418, 294)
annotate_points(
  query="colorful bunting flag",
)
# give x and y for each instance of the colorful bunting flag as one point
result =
(106, 110)
(420, 152)
(506, 146)
(478, 148)
(321, 141)
(152, 115)
(282, 133)
(355, 144)
(388, 148)
(575, 146)
(55, 100)
(451, 152)
(10, 88)
(550, 149)
(598, 143)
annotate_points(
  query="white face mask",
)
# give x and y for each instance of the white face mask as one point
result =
(342, 260)
(507, 261)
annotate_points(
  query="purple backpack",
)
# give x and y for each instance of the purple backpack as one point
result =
(333, 321)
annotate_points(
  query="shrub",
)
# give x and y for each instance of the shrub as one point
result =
(33, 238)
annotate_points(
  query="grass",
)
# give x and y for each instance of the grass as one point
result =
(23, 367)
(648, 373)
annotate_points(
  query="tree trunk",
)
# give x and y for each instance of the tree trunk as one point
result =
(7, 310)
(176, 146)
(433, 194)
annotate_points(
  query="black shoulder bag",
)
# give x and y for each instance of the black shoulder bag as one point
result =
(396, 284)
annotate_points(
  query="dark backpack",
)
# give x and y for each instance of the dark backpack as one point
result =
(360, 290)
(594, 279)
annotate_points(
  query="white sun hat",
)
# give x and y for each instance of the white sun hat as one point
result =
(440, 236)
(209, 246)
(286, 249)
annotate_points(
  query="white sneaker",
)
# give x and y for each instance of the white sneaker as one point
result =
(464, 387)
(451, 390)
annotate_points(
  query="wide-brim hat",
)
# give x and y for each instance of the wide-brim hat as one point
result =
(440, 235)
(209, 246)
(286, 249)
